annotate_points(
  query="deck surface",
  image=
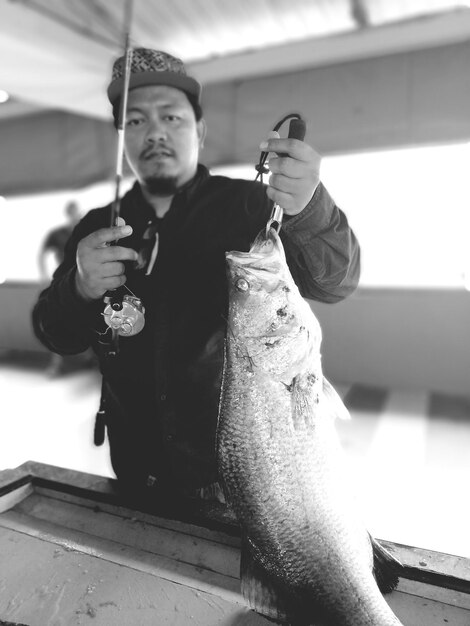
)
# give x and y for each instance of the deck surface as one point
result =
(408, 451)
(73, 552)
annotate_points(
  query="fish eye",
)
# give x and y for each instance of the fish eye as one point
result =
(242, 285)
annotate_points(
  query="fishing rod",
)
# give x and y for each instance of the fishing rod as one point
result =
(123, 313)
(116, 206)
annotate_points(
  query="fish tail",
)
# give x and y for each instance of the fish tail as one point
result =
(386, 567)
(261, 593)
(271, 598)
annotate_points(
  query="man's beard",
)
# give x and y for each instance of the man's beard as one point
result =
(161, 185)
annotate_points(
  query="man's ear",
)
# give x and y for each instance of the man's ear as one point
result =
(201, 132)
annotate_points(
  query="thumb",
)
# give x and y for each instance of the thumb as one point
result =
(273, 134)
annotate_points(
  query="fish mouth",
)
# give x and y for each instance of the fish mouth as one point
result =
(263, 247)
(245, 258)
(263, 258)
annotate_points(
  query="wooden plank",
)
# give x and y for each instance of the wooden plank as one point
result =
(126, 512)
(11, 479)
(183, 546)
(430, 568)
(179, 543)
(166, 568)
(433, 592)
(12, 498)
(211, 515)
(73, 587)
(421, 564)
(410, 607)
(435, 568)
(417, 611)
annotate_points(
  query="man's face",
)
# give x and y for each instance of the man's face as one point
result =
(162, 138)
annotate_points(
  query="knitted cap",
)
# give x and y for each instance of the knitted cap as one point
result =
(152, 67)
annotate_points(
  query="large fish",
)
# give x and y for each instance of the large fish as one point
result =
(279, 455)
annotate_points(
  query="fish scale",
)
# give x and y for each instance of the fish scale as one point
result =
(279, 456)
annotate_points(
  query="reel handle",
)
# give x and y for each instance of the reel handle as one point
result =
(297, 129)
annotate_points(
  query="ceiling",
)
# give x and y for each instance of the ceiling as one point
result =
(60, 52)
(57, 56)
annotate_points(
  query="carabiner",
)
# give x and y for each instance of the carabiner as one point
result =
(275, 220)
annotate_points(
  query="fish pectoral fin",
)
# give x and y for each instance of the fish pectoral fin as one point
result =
(304, 400)
(337, 406)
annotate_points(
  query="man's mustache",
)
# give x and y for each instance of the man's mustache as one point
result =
(152, 151)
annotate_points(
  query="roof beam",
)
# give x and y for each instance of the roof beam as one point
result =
(417, 34)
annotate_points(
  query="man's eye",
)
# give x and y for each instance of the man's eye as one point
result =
(133, 122)
(172, 118)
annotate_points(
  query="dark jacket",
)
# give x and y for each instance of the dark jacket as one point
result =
(161, 391)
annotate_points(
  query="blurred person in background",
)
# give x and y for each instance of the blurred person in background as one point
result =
(161, 390)
(51, 255)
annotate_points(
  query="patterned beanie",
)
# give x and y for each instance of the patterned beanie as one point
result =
(152, 67)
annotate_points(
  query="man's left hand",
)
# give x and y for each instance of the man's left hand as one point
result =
(295, 172)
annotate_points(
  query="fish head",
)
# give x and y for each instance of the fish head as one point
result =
(268, 318)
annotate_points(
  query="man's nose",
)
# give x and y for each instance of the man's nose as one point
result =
(156, 130)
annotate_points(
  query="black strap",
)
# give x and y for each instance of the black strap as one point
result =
(261, 167)
(100, 419)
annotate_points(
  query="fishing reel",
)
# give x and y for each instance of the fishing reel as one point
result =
(125, 316)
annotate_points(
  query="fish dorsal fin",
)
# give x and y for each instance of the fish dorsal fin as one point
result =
(336, 405)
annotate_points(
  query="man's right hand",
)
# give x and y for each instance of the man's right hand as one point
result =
(100, 266)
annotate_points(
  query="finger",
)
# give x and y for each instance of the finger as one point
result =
(292, 147)
(283, 183)
(119, 221)
(273, 134)
(108, 270)
(289, 167)
(114, 282)
(107, 235)
(114, 253)
(285, 200)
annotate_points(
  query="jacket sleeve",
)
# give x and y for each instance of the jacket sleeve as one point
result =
(322, 250)
(62, 320)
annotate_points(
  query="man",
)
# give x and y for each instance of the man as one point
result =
(54, 243)
(51, 255)
(161, 391)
